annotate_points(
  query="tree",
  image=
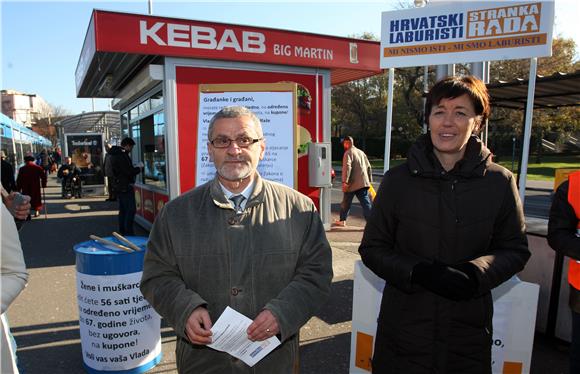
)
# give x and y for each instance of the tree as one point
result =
(45, 120)
(562, 121)
(359, 107)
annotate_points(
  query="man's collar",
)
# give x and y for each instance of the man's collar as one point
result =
(246, 192)
(256, 193)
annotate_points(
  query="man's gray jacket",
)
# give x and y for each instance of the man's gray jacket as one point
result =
(273, 256)
(356, 169)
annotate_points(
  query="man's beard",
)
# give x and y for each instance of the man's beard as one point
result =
(231, 173)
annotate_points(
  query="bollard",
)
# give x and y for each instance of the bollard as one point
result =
(120, 331)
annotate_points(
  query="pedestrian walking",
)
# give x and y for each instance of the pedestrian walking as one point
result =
(124, 174)
(446, 228)
(45, 161)
(57, 157)
(31, 178)
(356, 180)
(240, 241)
(564, 237)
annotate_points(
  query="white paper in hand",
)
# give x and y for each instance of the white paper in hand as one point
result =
(230, 336)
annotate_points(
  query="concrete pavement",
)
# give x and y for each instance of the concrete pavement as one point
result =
(44, 318)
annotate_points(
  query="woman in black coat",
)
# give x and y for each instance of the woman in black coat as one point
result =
(446, 227)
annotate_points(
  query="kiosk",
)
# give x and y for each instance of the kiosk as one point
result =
(160, 70)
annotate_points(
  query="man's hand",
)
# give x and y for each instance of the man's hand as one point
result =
(344, 187)
(264, 326)
(20, 208)
(198, 326)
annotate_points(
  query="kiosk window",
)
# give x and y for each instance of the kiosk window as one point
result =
(144, 107)
(156, 100)
(134, 113)
(124, 125)
(153, 146)
(136, 152)
(147, 128)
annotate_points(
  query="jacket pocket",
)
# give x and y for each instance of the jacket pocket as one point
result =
(273, 270)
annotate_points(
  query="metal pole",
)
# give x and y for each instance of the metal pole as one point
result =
(150, 4)
(513, 152)
(477, 70)
(389, 119)
(441, 72)
(528, 126)
(485, 78)
(425, 89)
(445, 71)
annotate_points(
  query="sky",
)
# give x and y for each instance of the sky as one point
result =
(41, 41)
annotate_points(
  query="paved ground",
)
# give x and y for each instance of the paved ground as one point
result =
(44, 318)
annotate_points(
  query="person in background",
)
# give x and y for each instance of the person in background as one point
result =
(31, 178)
(7, 171)
(14, 279)
(356, 180)
(564, 237)
(57, 157)
(446, 228)
(124, 174)
(239, 241)
(69, 175)
(109, 174)
(45, 161)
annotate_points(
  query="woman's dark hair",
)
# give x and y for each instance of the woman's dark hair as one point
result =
(452, 87)
(28, 158)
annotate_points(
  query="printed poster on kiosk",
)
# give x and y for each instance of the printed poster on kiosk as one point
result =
(86, 152)
(275, 106)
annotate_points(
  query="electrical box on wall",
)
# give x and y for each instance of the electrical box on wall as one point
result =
(319, 165)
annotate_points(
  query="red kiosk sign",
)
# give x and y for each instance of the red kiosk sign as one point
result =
(111, 32)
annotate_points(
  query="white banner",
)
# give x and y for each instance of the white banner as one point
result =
(119, 329)
(515, 304)
(276, 112)
(466, 31)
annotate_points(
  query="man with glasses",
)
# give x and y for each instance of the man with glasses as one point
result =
(240, 241)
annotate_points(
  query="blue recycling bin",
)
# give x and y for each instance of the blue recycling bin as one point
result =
(120, 331)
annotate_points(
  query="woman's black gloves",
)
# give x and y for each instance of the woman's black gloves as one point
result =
(454, 282)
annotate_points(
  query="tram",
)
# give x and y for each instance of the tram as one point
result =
(19, 141)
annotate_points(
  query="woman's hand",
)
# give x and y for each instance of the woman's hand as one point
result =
(454, 282)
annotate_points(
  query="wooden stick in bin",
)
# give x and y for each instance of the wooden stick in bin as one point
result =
(108, 242)
(126, 241)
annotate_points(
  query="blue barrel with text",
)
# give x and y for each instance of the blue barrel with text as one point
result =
(120, 331)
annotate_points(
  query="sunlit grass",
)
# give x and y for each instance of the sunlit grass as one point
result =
(544, 171)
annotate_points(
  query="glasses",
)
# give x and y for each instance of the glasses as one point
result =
(242, 142)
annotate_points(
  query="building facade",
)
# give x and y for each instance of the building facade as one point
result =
(24, 108)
